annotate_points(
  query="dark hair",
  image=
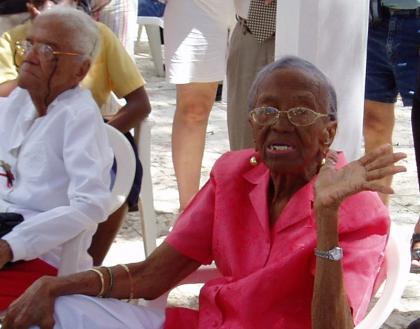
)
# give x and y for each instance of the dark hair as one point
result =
(293, 62)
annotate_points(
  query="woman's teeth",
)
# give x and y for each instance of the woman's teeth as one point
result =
(279, 147)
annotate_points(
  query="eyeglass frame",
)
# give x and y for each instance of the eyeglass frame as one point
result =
(25, 49)
(287, 113)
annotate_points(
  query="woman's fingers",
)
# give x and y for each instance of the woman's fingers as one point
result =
(385, 160)
(330, 160)
(378, 187)
(372, 175)
(376, 153)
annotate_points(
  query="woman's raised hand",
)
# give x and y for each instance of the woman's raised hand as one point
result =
(334, 185)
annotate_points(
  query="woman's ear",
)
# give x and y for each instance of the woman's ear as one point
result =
(329, 132)
(83, 69)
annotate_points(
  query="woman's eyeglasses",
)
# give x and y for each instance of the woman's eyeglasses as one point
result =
(43, 50)
(297, 116)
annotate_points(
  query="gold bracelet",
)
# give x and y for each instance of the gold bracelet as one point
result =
(111, 282)
(130, 278)
(101, 277)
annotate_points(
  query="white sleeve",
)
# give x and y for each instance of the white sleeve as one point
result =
(87, 160)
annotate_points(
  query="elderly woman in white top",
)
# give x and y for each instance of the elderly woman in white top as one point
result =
(55, 165)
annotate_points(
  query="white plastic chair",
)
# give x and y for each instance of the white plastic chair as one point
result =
(142, 137)
(397, 262)
(152, 25)
(126, 167)
(143, 140)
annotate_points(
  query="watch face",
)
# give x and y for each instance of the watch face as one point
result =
(336, 253)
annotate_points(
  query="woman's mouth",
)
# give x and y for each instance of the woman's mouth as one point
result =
(280, 148)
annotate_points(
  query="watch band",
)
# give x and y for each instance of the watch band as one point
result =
(334, 254)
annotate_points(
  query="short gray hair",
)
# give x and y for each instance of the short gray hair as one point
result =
(293, 62)
(82, 29)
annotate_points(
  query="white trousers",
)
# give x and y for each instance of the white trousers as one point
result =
(83, 312)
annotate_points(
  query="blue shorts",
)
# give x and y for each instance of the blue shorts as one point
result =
(151, 8)
(392, 57)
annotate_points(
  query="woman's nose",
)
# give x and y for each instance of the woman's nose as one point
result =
(283, 123)
(31, 55)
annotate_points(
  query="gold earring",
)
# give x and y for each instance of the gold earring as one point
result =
(253, 161)
(322, 162)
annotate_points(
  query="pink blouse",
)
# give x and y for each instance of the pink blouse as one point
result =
(268, 272)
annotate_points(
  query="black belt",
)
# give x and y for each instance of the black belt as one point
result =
(403, 12)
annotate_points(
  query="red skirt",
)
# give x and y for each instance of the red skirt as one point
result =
(15, 278)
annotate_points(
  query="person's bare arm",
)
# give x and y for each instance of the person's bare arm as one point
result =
(6, 254)
(7, 87)
(158, 273)
(330, 307)
(136, 110)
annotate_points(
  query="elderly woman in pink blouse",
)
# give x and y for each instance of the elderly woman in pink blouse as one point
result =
(296, 233)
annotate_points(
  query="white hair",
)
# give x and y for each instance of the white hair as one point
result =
(81, 29)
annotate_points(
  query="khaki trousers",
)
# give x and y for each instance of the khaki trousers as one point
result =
(246, 58)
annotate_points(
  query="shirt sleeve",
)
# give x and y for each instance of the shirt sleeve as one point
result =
(8, 69)
(87, 161)
(193, 231)
(123, 73)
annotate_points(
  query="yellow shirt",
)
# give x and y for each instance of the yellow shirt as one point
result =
(113, 69)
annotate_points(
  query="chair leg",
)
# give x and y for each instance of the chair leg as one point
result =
(146, 202)
(153, 35)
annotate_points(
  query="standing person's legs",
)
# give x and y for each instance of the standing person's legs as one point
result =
(415, 124)
(193, 105)
(246, 57)
(195, 47)
(378, 124)
(391, 65)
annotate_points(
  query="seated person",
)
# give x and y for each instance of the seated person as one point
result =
(55, 158)
(113, 71)
(295, 232)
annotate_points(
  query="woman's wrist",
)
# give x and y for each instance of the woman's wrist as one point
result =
(326, 227)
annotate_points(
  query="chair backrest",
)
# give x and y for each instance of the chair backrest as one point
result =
(126, 166)
(397, 262)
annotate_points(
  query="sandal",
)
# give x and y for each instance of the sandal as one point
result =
(415, 253)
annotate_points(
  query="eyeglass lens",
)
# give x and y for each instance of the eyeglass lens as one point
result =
(298, 116)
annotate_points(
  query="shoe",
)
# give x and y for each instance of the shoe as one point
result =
(415, 253)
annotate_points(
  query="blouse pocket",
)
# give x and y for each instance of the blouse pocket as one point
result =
(32, 161)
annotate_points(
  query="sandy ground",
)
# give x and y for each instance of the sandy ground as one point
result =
(404, 206)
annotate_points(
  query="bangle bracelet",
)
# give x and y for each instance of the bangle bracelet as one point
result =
(111, 281)
(101, 277)
(130, 278)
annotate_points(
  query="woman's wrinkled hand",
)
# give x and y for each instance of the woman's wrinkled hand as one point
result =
(334, 185)
(34, 307)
